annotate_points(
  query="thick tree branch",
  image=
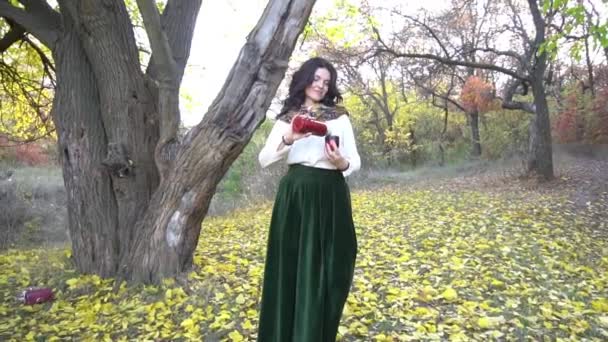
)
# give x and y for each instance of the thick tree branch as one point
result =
(507, 53)
(509, 93)
(261, 63)
(448, 61)
(161, 50)
(168, 84)
(445, 61)
(170, 39)
(539, 23)
(15, 34)
(178, 21)
(38, 19)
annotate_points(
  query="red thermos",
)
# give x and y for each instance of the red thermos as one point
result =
(303, 124)
(36, 295)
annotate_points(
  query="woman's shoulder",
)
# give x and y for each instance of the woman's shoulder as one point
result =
(341, 110)
(323, 113)
(332, 113)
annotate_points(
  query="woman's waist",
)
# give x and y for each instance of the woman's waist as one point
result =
(316, 166)
(318, 171)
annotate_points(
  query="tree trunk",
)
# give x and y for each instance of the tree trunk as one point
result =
(540, 159)
(413, 142)
(475, 139)
(446, 113)
(82, 145)
(124, 218)
(107, 128)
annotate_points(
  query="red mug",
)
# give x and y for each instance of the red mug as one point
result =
(303, 124)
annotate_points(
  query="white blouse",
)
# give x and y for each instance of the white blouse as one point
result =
(310, 151)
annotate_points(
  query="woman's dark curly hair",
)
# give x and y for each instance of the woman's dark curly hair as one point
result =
(303, 78)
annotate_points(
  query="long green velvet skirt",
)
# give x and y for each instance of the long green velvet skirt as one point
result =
(310, 259)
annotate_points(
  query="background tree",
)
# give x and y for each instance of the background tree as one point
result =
(581, 27)
(26, 86)
(137, 191)
(462, 29)
(526, 68)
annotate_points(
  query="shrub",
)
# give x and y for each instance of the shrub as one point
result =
(33, 207)
(15, 213)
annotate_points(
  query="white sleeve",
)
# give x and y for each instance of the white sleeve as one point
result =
(269, 153)
(349, 148)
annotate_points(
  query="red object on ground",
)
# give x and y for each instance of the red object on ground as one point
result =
(303, 124)
(37, 295)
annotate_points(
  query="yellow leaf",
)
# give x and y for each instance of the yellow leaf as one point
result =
(600, 305)
(484, 323)
(383, 338)
(449, 294)
(490, 322)
(240, 299)
(187, 323)
(72, 282)
(247, 325)
(236, 336)
(31, 336)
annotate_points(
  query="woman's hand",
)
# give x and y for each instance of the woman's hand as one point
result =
(333, 155)
(290, 136)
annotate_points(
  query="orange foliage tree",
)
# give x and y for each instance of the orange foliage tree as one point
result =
(477, 95)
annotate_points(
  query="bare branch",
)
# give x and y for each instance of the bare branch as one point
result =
(48, 65)
(518, 25)
(434, 93)
(429, 29)
(448, 61)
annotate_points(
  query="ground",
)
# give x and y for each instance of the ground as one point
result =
(471, 253)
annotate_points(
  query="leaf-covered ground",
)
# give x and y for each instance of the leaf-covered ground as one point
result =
(443, 264)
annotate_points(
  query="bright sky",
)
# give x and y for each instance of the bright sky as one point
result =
(219, 35)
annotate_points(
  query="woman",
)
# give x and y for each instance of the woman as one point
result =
(312, 245)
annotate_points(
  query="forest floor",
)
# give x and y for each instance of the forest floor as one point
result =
(474, 253)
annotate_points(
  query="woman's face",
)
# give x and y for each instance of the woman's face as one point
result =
(316, 91)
